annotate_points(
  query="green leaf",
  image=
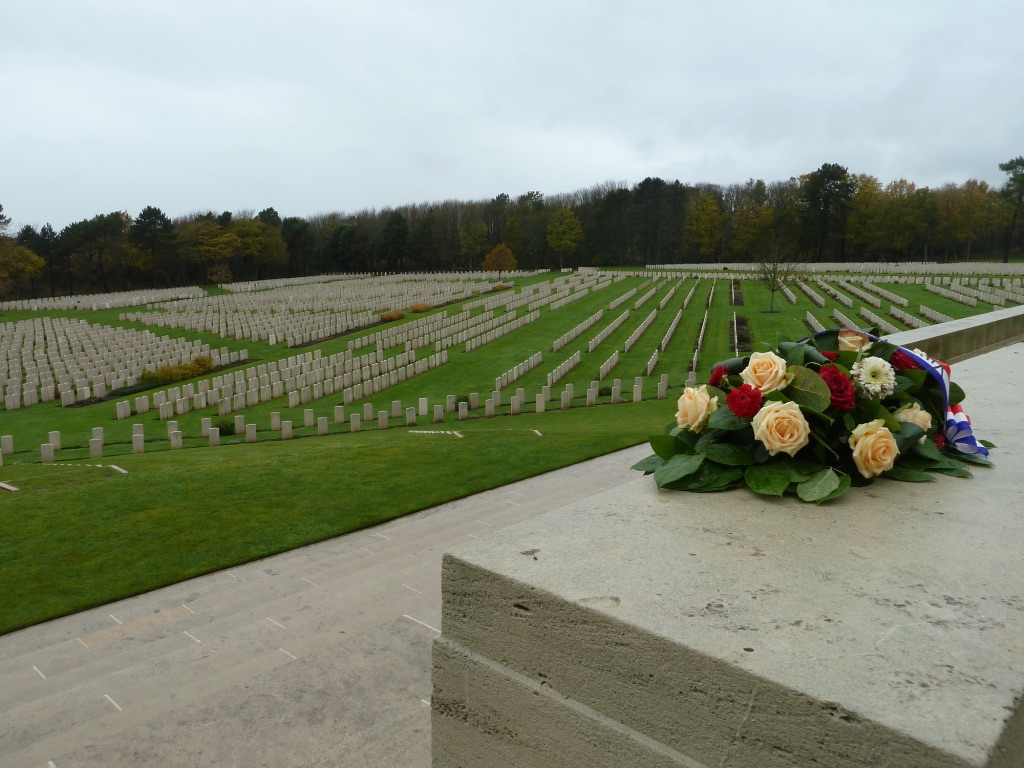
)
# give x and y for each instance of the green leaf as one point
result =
(971, 458)
(903, 384)
(843, 487)
(929, 450)
(709, 437)
(808, 389)
(907, 436)
(666, 446)
(820, 485)
(770, 480)
(917, 378)
(734, 364)
(987, 443)
(648, 465)
(800, 469)
(908, 475)
(792, 352)
(714, 477)
(954, 471)
(731, 455)
(725, 419)
(814, 356)
(956, 394)
(710, 476)
(677, 467)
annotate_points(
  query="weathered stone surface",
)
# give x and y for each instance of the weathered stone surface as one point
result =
(885, 628)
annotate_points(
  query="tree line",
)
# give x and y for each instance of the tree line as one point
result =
(828, 214)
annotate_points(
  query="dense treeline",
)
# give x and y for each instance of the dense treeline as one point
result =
(826, 215)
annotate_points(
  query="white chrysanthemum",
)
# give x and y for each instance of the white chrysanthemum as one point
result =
(875, 376)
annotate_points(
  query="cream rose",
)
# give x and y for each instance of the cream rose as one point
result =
(766, 371)
(781, 427)
(695, 406)
(853, 341)
(874, 448)
(915, 414)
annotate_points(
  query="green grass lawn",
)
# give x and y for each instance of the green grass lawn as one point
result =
(78, 535)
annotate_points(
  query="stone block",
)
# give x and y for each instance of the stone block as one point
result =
(275, 421)
(382, 420)
(438, 413)
(176, 441)
(308, 417)
(367, 412)
(6, 444)
(286, 430)
(46, 453)
(250, 433)
(881, 629)
(240, 424)
(339, 414)
(322, 426)
(204, 426)
(354, 425)
(410, 417)
(96, 448)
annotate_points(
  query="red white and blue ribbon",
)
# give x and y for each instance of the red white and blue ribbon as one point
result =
(958, 424)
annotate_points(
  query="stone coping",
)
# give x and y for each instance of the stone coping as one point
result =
(884, 628)
(961, 339)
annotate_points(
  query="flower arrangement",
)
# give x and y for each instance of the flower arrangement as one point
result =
(815, 417)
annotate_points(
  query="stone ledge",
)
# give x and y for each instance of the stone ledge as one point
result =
(960, 340)
(885, 628)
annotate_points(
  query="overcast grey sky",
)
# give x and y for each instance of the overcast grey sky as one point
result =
(312, 106)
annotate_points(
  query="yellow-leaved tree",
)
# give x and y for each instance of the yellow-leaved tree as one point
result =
(499, 260)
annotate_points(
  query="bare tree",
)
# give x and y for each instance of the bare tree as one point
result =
(775, 268)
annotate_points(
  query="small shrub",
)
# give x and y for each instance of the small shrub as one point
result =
(500, 287)
(604, 392)
(394, 314)
(226, 425)
(170, 374)
(420, 308)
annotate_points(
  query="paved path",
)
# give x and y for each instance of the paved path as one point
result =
(315, 657)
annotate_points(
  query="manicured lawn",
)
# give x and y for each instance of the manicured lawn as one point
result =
(78, 535)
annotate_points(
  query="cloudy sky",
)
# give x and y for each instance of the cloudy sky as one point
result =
(312, 106)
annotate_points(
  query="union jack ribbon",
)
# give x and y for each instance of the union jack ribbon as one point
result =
(958, 423)
(958, 430)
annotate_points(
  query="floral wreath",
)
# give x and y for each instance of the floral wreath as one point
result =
(815, 417)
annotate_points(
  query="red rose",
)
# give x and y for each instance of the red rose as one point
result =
(940, 440)
(901, 361)
(840, 386)
(830, 355)
(717, 374)
(744, 401)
